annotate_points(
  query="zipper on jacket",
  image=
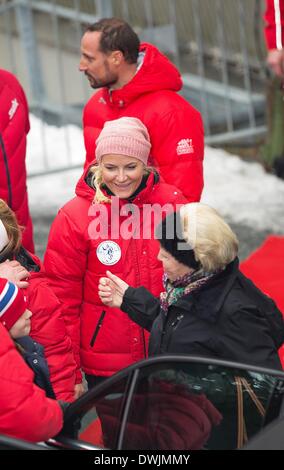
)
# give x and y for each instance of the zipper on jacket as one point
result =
(175, 323)
(172, 327)
(138, 274)
(9, 202)
(101, 319)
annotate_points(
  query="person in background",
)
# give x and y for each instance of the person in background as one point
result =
(16, 318)
(272, 152)
(25, 411)
(14, 127)
(47, 323)
(274, 36)
(208, 307)
(94, 231)
(137, 80)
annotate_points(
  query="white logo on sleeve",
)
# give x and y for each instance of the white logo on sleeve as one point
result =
(108, 252)
(185, 146)
(13, 109)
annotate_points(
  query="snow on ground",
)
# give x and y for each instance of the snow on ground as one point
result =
(64, 147)
(53, 147)
(242, 191)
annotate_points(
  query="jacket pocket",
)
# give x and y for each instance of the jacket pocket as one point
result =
(96, 332)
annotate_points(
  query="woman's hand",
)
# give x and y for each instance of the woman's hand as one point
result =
(111, 290)
(78, 391)
(15, 272)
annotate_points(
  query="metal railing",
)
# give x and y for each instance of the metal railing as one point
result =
(217, 44)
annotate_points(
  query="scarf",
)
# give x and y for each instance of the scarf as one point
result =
(182, 286)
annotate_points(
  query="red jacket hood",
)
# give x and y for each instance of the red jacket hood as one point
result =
(82, 188)
(156, 73)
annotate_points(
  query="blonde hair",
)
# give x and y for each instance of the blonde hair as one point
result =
(97, 182)
(214, 243)
(13, 230)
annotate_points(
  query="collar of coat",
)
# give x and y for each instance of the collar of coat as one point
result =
(156, 74)
(209, 300)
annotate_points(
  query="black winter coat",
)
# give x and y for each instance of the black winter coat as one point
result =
(228, 318)
(33, 354)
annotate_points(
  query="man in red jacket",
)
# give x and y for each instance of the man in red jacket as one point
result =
(138, 81)
(14, 127)
(274, 35)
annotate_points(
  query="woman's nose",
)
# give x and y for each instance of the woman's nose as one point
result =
(121, 176)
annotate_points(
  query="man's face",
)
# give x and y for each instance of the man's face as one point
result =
(98, 67)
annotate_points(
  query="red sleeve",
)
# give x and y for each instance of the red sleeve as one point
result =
(25, 411)
(274, 28)
(14, 84)
(48, 328)
(178, 146)
(65, 264)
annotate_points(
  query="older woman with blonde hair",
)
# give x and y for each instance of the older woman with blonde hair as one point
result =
(208, 306)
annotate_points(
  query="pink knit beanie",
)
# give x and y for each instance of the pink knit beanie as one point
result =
(124, 136)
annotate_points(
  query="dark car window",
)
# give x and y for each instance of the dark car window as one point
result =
(101, 418)
(192, 407)
(177, 403)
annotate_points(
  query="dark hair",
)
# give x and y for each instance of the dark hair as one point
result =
(13, 230)
(117, 35)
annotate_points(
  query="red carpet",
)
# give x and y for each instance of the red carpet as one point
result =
(93, 433)
(265, 267)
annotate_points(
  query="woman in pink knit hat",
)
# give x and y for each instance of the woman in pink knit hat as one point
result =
(111, 222)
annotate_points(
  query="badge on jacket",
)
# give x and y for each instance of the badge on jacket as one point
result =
(108, 252)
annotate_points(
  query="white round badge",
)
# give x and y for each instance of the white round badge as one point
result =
(108, 252)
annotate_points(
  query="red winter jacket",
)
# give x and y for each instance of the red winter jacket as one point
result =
(48, 329)
(105, 340)
(175, 127)
(14, 127)
(25, 411)
(274, 29)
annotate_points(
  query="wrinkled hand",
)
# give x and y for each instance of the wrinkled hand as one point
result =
(111, 290)
(15, 272)
(275, 60)
(78, 391)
